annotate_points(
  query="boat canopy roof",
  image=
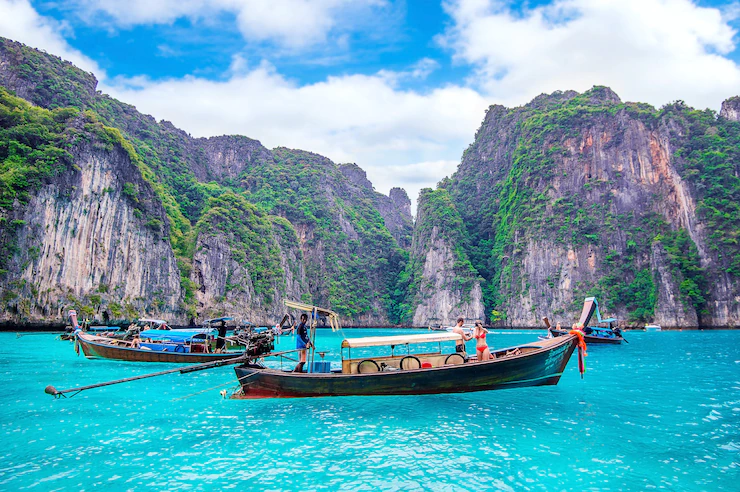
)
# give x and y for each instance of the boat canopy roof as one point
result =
(400, 339)
(180, 336)
(147, 320)
(333, 317)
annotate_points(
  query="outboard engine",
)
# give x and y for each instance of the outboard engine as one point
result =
(258, 344)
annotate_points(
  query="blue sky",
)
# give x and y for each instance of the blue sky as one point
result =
(398, 86)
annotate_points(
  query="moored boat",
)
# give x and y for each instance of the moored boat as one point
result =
(653, 328)
(609, 334)
(172, 347)
(429, 372)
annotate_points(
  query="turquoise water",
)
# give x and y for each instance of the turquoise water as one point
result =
(660, 412)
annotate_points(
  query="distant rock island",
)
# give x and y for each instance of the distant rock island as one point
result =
(105, 210)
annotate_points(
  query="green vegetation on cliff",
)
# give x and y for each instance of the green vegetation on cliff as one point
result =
(34, 145)
(249, 235)
(354, 261)
(708, 154)
(523, 204)
(438, 219)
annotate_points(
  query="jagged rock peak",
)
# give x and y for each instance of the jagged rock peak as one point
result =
(731, 109)
(600, 94)
(74, 87)
(596, 96)
(228, 155)
(356, 175)
(400, 198)
(544, 101)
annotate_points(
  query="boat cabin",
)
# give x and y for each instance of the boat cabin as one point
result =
(401, 356)
(600, 331)
(186, 341)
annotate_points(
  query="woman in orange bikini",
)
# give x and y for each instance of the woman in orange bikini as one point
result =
(481, 347)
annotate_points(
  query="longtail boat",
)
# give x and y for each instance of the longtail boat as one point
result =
(427, 372)
(609, 334)
(534, 364)
(179, 348)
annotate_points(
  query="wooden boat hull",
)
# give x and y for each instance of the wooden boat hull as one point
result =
(96, 348)
(543, 366)
(590, 339)
(611, 341)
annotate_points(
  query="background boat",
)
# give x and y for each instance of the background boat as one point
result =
(179, 350)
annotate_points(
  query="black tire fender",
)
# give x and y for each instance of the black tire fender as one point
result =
(409, 359)
(368, 366)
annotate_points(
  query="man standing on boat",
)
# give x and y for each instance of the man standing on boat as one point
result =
(302, 342)
(460, 344)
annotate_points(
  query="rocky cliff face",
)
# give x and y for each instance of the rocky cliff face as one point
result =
(325, 240)
(253, 281)
(226, 157)
(351, 258)
(571, 195)
(394, 208)
(442, 284)
(592, 196)
(86, 244)
(731, 109)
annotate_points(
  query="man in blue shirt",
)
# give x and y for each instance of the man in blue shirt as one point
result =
(302, 342)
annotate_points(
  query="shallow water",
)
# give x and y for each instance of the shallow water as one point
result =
(660, 412)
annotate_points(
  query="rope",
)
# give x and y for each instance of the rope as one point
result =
(581, 350)
(203, 391)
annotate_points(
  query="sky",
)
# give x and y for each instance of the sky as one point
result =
(397, 86)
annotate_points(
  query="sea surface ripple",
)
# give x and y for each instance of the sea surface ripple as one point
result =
(662, 412)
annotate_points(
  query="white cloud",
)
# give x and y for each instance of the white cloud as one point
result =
(654, 51)
(412, 177)
(648, 50)
(353, 118)
(418, 71)
(292, 24)
(19, 21)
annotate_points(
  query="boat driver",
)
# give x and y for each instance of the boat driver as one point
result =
(460, 344)
(302, 342)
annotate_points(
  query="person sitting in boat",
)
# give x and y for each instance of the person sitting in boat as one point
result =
(460, 344)
(302, 342)
(136, 342)
(481, 347)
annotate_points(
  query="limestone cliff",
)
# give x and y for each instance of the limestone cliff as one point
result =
(442, 283)
(581, 194)
(106, 209)
(246, 263)
(93, 237)
(227, 157)
(328, 239)
(394, 208)
(731, 109)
